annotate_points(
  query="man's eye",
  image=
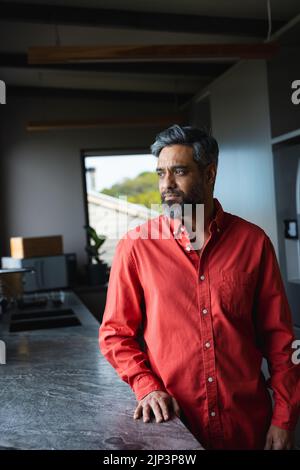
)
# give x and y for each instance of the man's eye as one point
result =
(180, 172)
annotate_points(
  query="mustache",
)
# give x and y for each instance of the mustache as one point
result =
(169, 193)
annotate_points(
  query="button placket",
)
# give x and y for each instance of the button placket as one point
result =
(214, 423)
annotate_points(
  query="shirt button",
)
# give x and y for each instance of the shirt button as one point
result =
(212, 413)
(202, 277)
(188, 248)
(207, 345)
(204, 311)
(182, 229)
(210, 379)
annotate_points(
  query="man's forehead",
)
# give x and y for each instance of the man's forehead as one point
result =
(176, 155)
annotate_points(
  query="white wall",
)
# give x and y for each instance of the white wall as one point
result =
(41, 180)
(41, 188)
(241, 124)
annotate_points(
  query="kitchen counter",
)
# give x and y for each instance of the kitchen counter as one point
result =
(58, 392)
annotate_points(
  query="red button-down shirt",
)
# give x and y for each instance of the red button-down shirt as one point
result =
(207, 321)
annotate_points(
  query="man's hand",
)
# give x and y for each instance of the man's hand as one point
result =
(160, 403)
(279, 439)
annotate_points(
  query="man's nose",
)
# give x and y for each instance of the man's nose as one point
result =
(169, 182)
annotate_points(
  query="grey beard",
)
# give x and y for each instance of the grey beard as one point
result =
(179, 210)
(173, 210)
(183, 211)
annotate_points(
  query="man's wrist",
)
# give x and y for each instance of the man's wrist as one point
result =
(287, 426)
(145, 384)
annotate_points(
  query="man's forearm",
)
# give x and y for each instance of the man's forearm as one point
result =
(129, 361)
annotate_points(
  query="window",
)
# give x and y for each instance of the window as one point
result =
(120, 190)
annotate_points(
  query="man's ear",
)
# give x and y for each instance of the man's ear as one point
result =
(211, 173)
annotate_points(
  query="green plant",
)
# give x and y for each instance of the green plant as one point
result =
(96, 241)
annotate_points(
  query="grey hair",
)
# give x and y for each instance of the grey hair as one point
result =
(205, 146)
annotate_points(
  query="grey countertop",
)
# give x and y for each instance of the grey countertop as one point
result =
(58, 392)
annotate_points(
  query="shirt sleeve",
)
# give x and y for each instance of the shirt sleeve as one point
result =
(122, 323)
(276, 338)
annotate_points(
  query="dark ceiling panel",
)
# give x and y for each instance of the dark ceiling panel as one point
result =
(106, 95)
(65, 15)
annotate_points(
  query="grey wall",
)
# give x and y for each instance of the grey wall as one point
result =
(2, 202)
(282, 71)
(200, 114)
(241, 124)
(251, 182)
(285, 117)
(286, 162)
(41, 175)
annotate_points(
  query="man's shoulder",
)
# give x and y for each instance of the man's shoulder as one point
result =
(245, 227)
(141, 232)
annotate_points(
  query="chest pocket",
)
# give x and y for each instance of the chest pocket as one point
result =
(236, 292)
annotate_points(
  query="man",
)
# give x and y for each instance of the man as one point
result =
(207, 315)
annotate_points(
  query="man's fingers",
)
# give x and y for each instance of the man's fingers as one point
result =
(160, 404)
(164, 409)
(268, 445)
(176, 407)
(146, 413)
(138, 412)
(157, 412)
(278, 445)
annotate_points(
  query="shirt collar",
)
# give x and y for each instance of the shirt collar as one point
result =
(218, 220)
(216, 224)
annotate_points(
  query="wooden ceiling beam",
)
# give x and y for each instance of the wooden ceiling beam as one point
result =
(152, 53)
(150, 121)
(203, 68)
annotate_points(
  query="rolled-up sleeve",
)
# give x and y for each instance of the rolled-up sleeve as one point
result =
(276, 340)
(122, 323)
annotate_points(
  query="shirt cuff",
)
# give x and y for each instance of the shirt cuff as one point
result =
(145, 384)
(285, 417)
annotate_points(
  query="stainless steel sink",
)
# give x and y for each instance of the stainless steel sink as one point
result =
(43, 319)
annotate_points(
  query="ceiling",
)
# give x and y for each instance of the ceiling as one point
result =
(128, 22)
(283, 10)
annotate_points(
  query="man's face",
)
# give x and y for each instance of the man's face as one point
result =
(181, 181)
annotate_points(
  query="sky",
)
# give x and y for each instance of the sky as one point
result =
(112, 169)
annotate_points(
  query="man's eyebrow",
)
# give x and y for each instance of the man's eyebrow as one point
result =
(174, 167)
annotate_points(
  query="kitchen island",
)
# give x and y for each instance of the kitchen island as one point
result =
(58, 392)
